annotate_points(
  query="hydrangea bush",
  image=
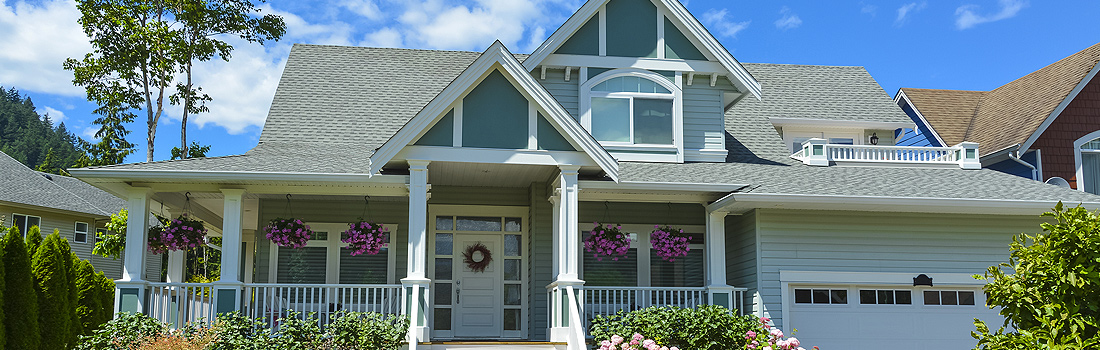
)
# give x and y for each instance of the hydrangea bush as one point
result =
(766, 337)
(366, 238)
(288, 233)
(607, 240)
(181, 233)
(637, 342)
(670, 243)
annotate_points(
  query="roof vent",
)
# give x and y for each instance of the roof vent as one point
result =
(1058, 181)
(48, 177)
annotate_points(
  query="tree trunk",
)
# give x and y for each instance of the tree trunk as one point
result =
(184, 151)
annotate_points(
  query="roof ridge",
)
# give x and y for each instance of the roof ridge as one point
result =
(974, 116)
(85, 200)
(395, 48)
(943, 90)
(1062, 60)
(805, 65)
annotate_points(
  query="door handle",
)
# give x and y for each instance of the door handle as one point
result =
(458, 292)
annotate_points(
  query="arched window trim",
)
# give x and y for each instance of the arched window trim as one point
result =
(1077, 159)
(628, 150)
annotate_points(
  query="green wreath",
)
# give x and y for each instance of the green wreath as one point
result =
(479, 265)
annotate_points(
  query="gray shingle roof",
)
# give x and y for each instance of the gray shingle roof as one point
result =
(336, 105)
(23, 185)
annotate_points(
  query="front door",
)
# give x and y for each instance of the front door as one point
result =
(486, 297)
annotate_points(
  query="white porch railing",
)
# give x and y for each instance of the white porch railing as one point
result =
(271, 302)
(606, 301)
(180, 303)
(819, 153)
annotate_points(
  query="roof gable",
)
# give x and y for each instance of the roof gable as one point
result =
(590, 15)
(495, 63)
(949, 113)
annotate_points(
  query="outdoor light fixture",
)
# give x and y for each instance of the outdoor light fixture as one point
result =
(874, 138)
(922, 280)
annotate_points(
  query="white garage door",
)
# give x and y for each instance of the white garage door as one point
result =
(906, 318)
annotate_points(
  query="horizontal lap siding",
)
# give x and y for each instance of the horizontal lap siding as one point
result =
(542, 259)
(640, 213)
(879, 242)
(65, 224)
(741, 253)
(566, 92)
(703, 116)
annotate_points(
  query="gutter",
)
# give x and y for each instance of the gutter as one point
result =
(135, 174)
(1034, 171)
(883, 203)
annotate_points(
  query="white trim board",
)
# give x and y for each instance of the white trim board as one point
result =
(879, 278)
(496, 56)
(742, 202)
(901, 96)
(1078, 163)
(838, 124)
(679, 16)
(1061, 107)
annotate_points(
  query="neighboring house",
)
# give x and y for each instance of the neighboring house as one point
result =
(53, 202)
(1044, 126)
(631, 113)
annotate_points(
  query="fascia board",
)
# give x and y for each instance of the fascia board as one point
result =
(135, 174)
(895, 204)
(1061, 107)
(902, 97)
(658, 186)
(32, 207)
(832, 123)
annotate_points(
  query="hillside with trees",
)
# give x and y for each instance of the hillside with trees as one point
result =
(32, 138)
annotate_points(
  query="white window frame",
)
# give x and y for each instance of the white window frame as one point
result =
(640, 240)
(76, 231)
(23, 230)
(629, 151)
(1077, 161)
(789, 134)
(333, 245)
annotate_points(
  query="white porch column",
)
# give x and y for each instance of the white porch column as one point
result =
(415, 284)
(228, 288)
(130, 290)
(719, 292)
(565, 325)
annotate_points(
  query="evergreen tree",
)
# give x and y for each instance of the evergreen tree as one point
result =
(70, 259)
(106, 294)
(20, 300)
(89, 302)
(51, 281)
(3, 338)
(34, 240)
(29, 137)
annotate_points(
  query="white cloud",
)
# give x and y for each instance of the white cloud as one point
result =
(385, 37)
(300, 30)
(717, 19)
(787, 20)
(37, 39)
(966, 15)
(905, 10)
(55, 115)
(88, 133)
(868, 9)
(434, 24)
(365, 8)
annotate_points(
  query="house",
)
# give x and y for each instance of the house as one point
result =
(1044, 126)
(52, 202)
(801, 207)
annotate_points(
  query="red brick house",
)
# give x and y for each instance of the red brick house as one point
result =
(1044, 126)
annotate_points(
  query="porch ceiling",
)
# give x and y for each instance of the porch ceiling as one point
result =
(488, 175)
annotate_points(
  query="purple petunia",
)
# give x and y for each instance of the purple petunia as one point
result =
(607, 240)
(289, 233)
(366, 238)
(181, 233)
(669, 243)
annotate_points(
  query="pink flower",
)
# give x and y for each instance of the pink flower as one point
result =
(777, 333)
(616, 340)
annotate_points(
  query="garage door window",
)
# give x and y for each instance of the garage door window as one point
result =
(821, 296)
(948, 297)
(885, 297)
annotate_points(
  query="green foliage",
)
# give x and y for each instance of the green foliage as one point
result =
(1049, 291)
(34, 240)
(33, 139)
(110, 244)
(361, 331)
(234, 331)
(3, 336)
(20, 300)
(89, 302)
(700, 328)
(70, 259)
(106, 294)
(126, 332)
(51, 280)
(195, 151)
(298, 333)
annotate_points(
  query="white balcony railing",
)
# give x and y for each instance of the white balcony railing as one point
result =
(180, 303)
(606, 301)
(817, 152)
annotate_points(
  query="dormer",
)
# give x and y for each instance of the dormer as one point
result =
(645, 79)
(796, 131)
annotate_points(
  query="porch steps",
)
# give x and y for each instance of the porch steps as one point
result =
(491, 345)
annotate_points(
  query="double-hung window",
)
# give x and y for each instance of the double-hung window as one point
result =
(25, 222)
(326, 260)
(1088, 164)
(634, 113)
(81, 232)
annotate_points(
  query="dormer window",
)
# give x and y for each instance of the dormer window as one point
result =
(635, 114)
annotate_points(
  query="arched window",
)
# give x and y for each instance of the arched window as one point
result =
(1088, 162)
(628, 107)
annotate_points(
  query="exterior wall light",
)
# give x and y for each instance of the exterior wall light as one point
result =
(874, 138)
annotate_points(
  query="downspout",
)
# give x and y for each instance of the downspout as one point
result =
(1034, 171)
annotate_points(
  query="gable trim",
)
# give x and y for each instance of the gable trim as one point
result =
(735, 71)
(1061, 107)
(495, 54)
(902, 97)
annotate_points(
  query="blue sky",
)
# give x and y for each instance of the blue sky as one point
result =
(952, 44)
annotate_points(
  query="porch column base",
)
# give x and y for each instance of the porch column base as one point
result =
(227, 297)
(723, 295)
(414, 293)
(130, 296)
(561, 321)
(559, 334)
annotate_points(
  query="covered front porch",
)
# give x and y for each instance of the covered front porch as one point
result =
(539, 285)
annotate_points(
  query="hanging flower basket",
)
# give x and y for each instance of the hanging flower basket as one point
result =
(181, 233)
(288, 233)
(669, 243)
(366, 238)
(607, 241)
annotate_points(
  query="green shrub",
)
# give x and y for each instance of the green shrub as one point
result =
(700, 328)
(362, 331)
(3, 337)
(298, 333)
(126, 332)
(234, 331)
(51, 280)
(89, 303)
(33, 240)
(1049, 291)
(20, 300)
(106, 293)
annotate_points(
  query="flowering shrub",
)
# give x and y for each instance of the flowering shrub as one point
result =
(289, 233)
(607, 240)
(765, 337)
(181, 233)
(365, 237)
(669, 243)
(704, 327)
(637, 342)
